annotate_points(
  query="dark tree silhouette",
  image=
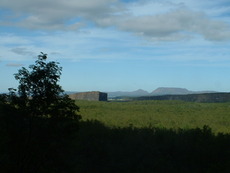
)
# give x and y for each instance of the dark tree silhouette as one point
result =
(38, 121)
(40, 93)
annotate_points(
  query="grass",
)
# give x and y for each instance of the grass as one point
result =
(137, 136)
(165, 114)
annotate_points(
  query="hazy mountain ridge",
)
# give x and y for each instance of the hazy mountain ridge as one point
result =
(136, 93)
(157, 92)
(170, 91)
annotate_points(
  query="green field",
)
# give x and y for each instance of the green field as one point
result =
(154, 136)
(124, 137)
(166, 114)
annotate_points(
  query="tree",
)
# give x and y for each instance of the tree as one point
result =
(38, 121)
(40, 93)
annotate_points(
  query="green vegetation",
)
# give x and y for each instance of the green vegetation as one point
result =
(153, 136)
(103, 149)
(40, 131)
(166, 114)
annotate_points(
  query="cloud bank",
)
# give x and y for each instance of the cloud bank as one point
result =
(156, 21)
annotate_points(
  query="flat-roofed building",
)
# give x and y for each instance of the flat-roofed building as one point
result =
(92, 96)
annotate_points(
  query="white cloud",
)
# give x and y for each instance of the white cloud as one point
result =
(22, 51)
(91, 44)
(53, 14)
(14, 65)
(155, 20)
(177, 24)
(108, 45)
(12, 39)
(148, 7)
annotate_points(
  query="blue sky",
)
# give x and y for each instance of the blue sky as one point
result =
(119, 45)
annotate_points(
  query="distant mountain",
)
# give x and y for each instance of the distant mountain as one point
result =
(136, 93)
(156, 92)
(176, 91)
(70, 92)
(171, 91)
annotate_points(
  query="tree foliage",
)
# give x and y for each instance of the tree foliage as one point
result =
(39, 92)
(38, 121)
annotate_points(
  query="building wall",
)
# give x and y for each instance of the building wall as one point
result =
(94, 96)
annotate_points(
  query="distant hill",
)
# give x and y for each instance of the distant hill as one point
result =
(70, 92)
(170, 91)
(176, 91)
(136, 93)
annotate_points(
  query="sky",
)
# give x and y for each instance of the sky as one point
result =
(119, 45)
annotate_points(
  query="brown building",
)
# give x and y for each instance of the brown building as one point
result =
(93, 95)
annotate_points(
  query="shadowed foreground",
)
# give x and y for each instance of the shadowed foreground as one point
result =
(102, 149)
(54, 147)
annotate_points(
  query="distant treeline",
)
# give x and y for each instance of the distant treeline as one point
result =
(205, 98)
